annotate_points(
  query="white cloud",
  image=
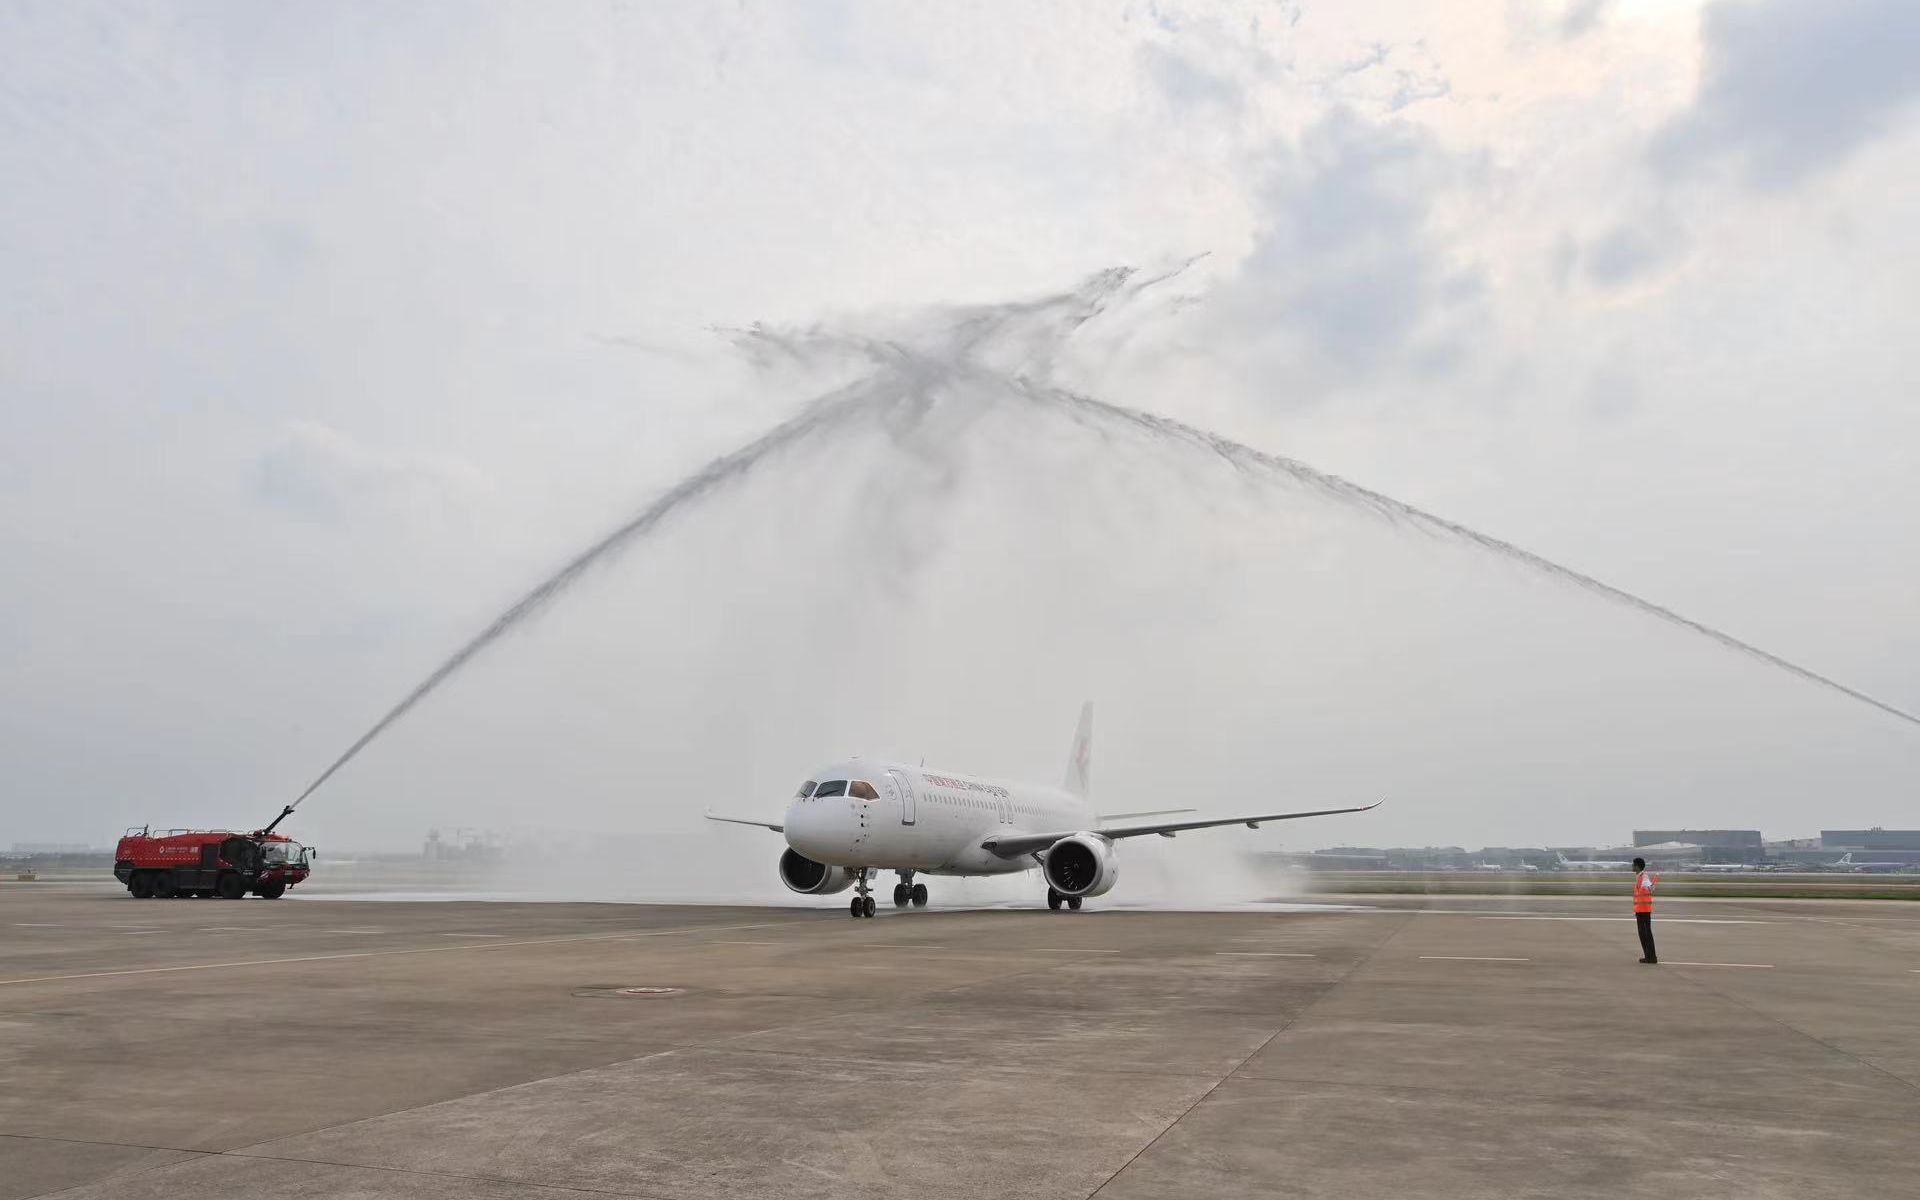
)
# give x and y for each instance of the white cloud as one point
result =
(1641, 246)
(316, 471)
(1348, 277)
(1790, 89)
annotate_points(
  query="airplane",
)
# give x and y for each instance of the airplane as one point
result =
(1589, 864)
(1845, 863)
(1724, 866)
(854, 819)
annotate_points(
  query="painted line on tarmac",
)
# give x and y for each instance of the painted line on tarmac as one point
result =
(1663, 920)
(640, 933)
(256, 962)
(1505, 912)
(1263, 954)
(348, 931)
(576, 940)
(38, 925)
(1467, 958)
(1750, 966)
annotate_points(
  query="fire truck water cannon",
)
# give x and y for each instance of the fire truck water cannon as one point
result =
(211, 862)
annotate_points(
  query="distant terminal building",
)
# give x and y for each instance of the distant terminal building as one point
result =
(1889, 846)
(1716, 845)
(1880, 845)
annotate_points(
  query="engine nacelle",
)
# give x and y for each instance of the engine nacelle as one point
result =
(1081, 865)
(809, 878)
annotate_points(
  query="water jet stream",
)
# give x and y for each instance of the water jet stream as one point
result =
(972, 346)
(823, 413)
(1398, 512)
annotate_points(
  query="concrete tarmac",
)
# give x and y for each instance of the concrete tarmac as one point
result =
(1423, 1047)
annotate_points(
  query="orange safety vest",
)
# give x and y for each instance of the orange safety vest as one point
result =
(1643, 885)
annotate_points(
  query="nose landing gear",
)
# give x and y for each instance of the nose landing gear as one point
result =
(862, 904)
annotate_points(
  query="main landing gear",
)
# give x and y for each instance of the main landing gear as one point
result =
(1055, 900)
(908, 892)
(862, 904)
(904, 893)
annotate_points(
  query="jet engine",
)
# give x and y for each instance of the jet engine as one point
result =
(809, 878)
(1081, 865)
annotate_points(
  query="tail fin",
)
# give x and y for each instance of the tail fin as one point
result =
(1080, 762)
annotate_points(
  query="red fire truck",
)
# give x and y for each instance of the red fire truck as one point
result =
(210, 862)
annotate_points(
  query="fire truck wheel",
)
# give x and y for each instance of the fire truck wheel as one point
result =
(141, 885)
(232, 887)
(163, 884)
(273, 891)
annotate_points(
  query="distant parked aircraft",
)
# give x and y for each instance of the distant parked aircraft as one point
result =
(1845, 863)
(1590, 864)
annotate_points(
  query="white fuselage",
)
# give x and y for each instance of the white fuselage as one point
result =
(921, 819)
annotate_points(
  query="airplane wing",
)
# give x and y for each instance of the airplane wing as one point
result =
(743, 821)
(1015, 845)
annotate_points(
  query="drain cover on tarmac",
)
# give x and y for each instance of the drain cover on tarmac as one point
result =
(636, 992)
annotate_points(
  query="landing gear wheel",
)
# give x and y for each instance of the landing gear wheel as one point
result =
(899, 895)
(231, 887)
(919, 895)
(163, 884)
(1054, 899)
(141, 885)
(1073, 902)
(862, 904)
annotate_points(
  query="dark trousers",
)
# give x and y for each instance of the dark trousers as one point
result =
(1645, 922)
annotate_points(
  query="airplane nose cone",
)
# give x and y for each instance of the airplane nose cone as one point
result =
(818, 828)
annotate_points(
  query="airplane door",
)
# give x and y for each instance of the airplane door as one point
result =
(905, 788)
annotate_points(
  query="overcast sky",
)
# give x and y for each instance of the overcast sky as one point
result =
(325, 330)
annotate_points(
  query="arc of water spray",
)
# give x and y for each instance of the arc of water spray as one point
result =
(1069, 312)
(823, 413)
(1243, 457)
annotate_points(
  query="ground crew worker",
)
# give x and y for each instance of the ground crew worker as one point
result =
(1643, 885)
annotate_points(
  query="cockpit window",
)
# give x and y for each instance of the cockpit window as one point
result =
(863, 790)
(806, 789)
(832, 787)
